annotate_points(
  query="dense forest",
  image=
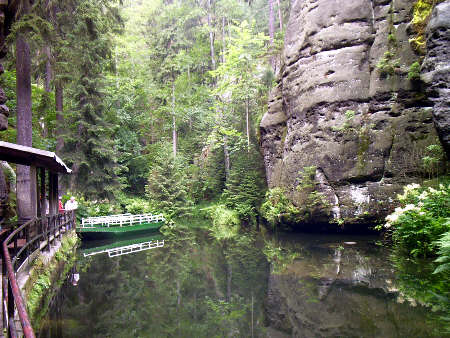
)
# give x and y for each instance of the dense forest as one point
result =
(119, 88)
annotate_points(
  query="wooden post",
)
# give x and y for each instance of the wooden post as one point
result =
(43, 190)
(53, 193)
(33, 191)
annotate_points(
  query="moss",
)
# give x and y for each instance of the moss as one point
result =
(283, 135)
(414, 71)
(47, 277)
(388, 63)
(421, 15)
(363, 146)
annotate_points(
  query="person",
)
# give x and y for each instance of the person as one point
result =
(60, 205)
(71, 204)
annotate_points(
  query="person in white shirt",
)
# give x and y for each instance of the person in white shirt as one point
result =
(71, 204)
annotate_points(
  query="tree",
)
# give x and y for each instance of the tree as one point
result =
(89, 145)
(238, 75)
(167, 185)
(24, 116)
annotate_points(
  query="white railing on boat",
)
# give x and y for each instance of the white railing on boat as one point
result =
(127, 249)
(121, 220)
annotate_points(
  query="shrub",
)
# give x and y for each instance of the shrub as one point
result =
(277, 208)
(414, 71)
(421, 219)
(225, 222)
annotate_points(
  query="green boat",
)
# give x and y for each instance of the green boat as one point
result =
(119, 226)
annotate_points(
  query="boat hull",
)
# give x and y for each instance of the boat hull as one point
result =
(102, 232)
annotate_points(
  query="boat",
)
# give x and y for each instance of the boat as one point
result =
(119, 226)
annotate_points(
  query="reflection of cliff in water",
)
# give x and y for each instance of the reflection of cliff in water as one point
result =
(337, 289)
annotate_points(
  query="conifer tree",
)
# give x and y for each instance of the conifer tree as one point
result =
(168, 184)
(89, 145)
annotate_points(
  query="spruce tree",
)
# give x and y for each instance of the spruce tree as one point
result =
(89, 146)
(168, 184)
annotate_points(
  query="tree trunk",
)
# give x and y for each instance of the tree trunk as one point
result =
(174, 125)
(48, 70)
(23, 91)
(24, 126)
(223, 40)
(229, 277)
(280, 18)
(226, 154)
(271, 32)
(211, 36)
(59, 95)
(247, 117)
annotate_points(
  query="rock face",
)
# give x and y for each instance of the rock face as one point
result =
(436, 70)
(344, 104)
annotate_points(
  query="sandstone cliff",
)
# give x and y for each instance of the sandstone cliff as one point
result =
(345, 105)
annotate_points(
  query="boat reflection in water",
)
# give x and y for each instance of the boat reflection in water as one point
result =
(122, 247)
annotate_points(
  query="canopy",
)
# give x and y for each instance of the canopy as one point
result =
(15, 153)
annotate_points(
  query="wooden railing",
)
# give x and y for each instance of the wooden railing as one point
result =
(36, 234)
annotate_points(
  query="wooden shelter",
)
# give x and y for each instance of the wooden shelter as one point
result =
(40, 162)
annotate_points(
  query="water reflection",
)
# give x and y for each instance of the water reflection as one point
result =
(250, 285)
(338, 289)
(122, 247)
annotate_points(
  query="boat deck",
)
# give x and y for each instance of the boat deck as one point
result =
(118, 225)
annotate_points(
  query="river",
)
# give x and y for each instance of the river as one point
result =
(254, 285)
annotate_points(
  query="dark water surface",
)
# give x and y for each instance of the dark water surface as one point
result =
(257, 285)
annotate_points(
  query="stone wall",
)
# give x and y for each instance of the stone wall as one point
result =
(344, 104)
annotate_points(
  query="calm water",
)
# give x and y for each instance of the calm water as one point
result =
(263, 286)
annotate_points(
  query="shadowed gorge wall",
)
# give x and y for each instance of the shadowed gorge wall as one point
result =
(344, 104)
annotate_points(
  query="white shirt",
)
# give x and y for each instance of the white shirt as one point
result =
(71, 205)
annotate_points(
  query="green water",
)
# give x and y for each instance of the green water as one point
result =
(257, 285)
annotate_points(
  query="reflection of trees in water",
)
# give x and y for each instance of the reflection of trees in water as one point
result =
(418, 285)
(193, 286)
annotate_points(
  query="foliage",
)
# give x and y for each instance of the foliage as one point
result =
(431, 161)
(135, 72)
(421, 219)
(89, 146)
(309, 200)
(168, 184)
(388, 64)
(280, 258)
(444, 253)
(421, 15)
(414, 71)
(40, 285)
(277, 208)
(225, 222)
(245, 186)
(42, 119)
(349, 115)
(418, 284)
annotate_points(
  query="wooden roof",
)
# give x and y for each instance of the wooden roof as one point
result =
(15, 153)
